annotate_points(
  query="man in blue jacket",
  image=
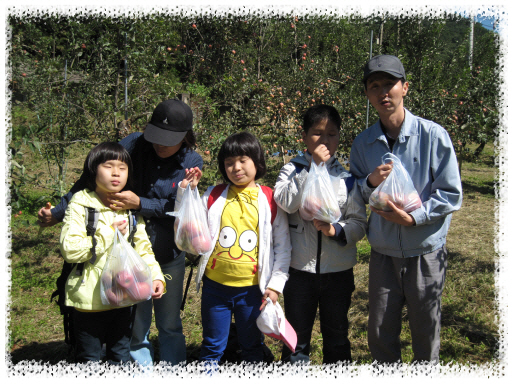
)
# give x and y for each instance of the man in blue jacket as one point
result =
(159, 156)
(408, 250)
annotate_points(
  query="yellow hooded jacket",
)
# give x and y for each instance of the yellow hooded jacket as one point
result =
(83, 291)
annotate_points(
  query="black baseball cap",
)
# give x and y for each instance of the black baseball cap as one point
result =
(169, 124)
(384, 63)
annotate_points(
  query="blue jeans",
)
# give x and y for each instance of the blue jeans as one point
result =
(303, 293)
(167, 320)
(218, 302)
(112, 327)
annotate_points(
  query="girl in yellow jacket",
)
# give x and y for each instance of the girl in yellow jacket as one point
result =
(108, 170)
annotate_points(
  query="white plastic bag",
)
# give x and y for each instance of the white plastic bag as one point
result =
(191, 232)
(318, 199)
(397, 188)
(273, 323)
(126, 278)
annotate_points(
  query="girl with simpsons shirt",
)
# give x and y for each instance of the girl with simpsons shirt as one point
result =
(107, 170)
(250, 258)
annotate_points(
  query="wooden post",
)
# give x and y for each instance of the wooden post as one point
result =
(185, 97)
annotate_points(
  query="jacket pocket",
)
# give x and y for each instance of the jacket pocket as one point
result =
(296, 227)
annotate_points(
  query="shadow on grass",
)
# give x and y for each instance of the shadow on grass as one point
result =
(51, 353)
(55, 352)
(484, 188)
(478, 266)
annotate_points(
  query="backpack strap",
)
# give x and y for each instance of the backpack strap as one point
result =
(215, 193)
(132, 227)
(271, 202)
(91, 223)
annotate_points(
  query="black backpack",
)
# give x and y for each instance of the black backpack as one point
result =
(91, 222)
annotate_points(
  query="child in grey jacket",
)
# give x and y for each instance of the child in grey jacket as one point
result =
(323, 254)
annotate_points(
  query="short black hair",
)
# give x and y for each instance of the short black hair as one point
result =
(318, 113)
(102, 153)
(242, 144)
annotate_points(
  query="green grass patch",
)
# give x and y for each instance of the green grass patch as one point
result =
(469, 333)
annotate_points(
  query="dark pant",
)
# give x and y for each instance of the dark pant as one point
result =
(332, 292)
(416, 282)
(113, 327)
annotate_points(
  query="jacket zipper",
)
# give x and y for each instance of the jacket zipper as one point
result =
(318, 252)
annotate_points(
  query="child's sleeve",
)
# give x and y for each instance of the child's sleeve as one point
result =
(354, 221)
(145, 250)
(282, 251)
(288, 188)
(75, 245)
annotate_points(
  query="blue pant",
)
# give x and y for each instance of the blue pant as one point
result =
(303, 293)
(218, 302)
(167, 320)
(113, 327)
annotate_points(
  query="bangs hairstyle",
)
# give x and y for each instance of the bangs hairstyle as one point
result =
(317, 113)
(242, 144)
(102, 153)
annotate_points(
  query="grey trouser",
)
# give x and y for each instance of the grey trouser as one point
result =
(416, 282)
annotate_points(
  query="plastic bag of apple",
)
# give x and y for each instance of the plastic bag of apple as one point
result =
(397, 188)
(191, 232)
(126, 278)
(318, 199)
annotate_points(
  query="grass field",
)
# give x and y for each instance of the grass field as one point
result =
(470, 319)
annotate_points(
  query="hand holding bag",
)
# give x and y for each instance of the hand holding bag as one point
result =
(397, 188)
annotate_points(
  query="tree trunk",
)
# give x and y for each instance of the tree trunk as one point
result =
(479, 150)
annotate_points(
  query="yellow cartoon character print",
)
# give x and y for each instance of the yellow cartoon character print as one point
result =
(234, 260)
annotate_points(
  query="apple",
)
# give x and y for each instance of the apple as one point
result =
(379, 200)
(124, 279)
(206, 152)
(201, 244)
(141, 273)
(140, 291)
(114, 296)
(194, 26)
(412, 202)
(83, 46)
(192, 229)
(106, 279)
(24, 74)
(311, 205)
